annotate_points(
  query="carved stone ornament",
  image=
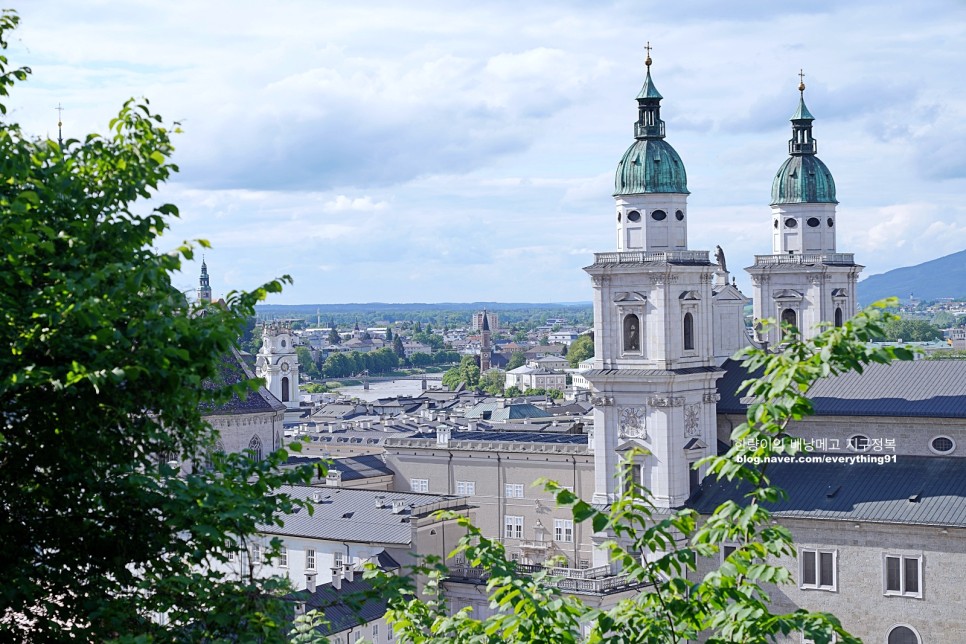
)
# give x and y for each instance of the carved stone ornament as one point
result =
(631, 421)
(663, 278)
(602, 401)
(692, 417)
(711, 397)
(706, 278)
(666, 401)
(758, 280)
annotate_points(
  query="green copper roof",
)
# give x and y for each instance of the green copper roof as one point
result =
(802, 112)
(648, 166)
(650, 89)
(803, 179)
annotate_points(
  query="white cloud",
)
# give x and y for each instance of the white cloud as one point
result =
(343, 203)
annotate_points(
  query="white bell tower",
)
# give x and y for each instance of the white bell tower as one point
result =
(805, 281)
(278, 364)
(654, 372)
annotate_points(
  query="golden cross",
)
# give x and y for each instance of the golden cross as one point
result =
(647, 47)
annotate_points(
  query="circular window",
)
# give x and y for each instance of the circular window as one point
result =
(859, 443)
(903, 635)
(942, 445)
(658, 215)
(283, 343)
(813, 222)
(790, 223)
(776, 223)
(633, 216)
(831, 222)
(679, 215)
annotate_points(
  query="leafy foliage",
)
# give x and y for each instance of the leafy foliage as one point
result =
(467, 372)
(105, 374)
(580, 349)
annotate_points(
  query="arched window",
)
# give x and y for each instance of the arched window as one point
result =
(255, 446)
(688, 332)
(903, 635)
(790, 319)
(632, 333)
(838, 316)
(285, 389)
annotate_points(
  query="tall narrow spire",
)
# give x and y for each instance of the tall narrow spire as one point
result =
(204, 287)
(60, 126)
(649, 124)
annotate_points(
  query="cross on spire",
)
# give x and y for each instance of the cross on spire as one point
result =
(60, 123)
(647, 47)
(801, 81)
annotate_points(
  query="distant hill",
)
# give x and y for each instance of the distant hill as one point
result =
(937, 278)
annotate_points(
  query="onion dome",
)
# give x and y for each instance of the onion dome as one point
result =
(650, 165)
(802, 178)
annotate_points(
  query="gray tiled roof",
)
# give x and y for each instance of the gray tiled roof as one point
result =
(356, 603)
(354, 468)
(517, 437)
(917, 490)
(683, 371)
(351, 515)
(922, 388)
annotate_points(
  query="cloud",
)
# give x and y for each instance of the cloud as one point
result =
(360, 204)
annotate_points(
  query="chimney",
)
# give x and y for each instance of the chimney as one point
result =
(299, 608)
(350, 572)
(337, 577)
(380, 501)
(333, 478)
(443, 434)
(473, 425)
(310, 582)
(398, 505)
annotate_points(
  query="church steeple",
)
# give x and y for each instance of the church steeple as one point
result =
(204, 287)
(802, 141)
(649, 124)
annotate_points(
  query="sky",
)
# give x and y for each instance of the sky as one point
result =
(452, 151)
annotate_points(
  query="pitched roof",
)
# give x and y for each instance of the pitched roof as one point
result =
(916, 490)
(357, 602)
(354, 468)
(920, 388)
(345, 514)
(501, 411)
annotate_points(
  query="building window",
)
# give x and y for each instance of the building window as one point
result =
(688, 332)
(658, 215)
(942, 445)
(256, 553)
(789, 319)
(838, 316)
(337, 560)
(513, 527)
(283, 557)
(632, 333)
(310, 559)
(727, 549)
(255, 447)
(358, 636)
(902, 575)
(859, 443)
(514, 490)
(285, 389)
(816, 569)
(633, 216)
(419, 485)
(375, 633)
(467, 488)
(903, 635)
(633, 476)
(232, 555)
(563, 530)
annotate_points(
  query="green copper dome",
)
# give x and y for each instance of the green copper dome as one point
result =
(648, 166)
(803, 179)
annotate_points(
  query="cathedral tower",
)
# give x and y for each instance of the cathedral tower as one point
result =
(204, 288)
(486, 351)
(278, 364)
(653, 373)
(805, 281)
